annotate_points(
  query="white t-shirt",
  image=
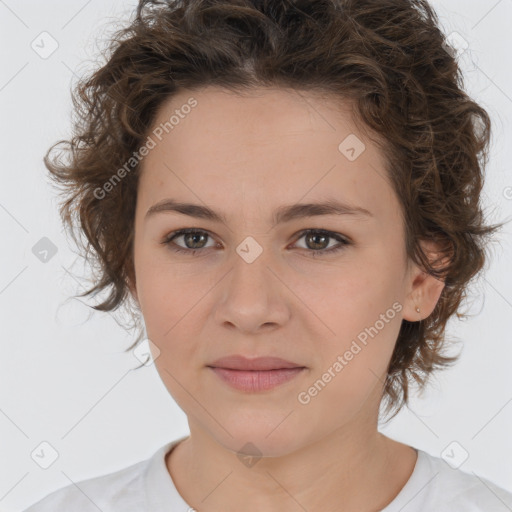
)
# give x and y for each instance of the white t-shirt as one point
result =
(148, 487)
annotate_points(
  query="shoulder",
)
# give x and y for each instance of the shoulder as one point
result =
(119, 490)
(457, 490)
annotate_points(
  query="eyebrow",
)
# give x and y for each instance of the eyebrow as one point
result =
(282, 214)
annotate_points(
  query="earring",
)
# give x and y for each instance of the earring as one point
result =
(417, 309)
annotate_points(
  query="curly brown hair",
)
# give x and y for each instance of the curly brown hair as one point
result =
(387, 56)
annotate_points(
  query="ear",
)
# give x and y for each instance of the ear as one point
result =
(424, 290)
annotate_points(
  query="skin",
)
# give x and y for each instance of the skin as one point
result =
(244, 156)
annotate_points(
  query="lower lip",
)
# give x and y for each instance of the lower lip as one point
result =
(256, 380)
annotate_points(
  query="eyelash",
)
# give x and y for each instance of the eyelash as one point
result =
(320, 252)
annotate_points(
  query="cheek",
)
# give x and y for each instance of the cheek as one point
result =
(361, 315)
(353, 364)
(164, 292)
(170, 304)
(346, 299)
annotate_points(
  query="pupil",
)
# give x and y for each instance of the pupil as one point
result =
(314, 236)
(191, 236)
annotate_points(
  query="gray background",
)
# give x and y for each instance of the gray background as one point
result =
(65, 378)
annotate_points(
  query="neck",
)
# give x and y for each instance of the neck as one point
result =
(333, 473)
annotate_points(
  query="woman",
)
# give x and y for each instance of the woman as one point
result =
(288, 193)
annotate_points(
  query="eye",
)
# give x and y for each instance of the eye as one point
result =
(317, 241)
(194, 239)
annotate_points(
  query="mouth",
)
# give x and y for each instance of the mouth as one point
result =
(255, 375)
(238, 362)
(256, 380)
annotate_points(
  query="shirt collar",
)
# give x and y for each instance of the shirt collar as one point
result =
(161, 493)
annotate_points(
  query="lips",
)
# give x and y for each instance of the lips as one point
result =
(238, 362)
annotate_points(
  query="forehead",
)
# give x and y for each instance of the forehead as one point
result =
(278, 145)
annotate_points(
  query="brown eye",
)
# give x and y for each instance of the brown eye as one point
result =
(192, 240)
(317, 241)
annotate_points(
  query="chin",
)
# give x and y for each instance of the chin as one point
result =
(254, 439)
(262, 446)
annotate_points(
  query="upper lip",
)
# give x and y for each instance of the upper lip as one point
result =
(237, 362)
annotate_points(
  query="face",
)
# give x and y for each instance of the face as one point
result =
(322, 289)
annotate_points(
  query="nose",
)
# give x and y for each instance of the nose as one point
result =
(251, 296)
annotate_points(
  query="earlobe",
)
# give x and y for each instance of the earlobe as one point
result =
(425, 289)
